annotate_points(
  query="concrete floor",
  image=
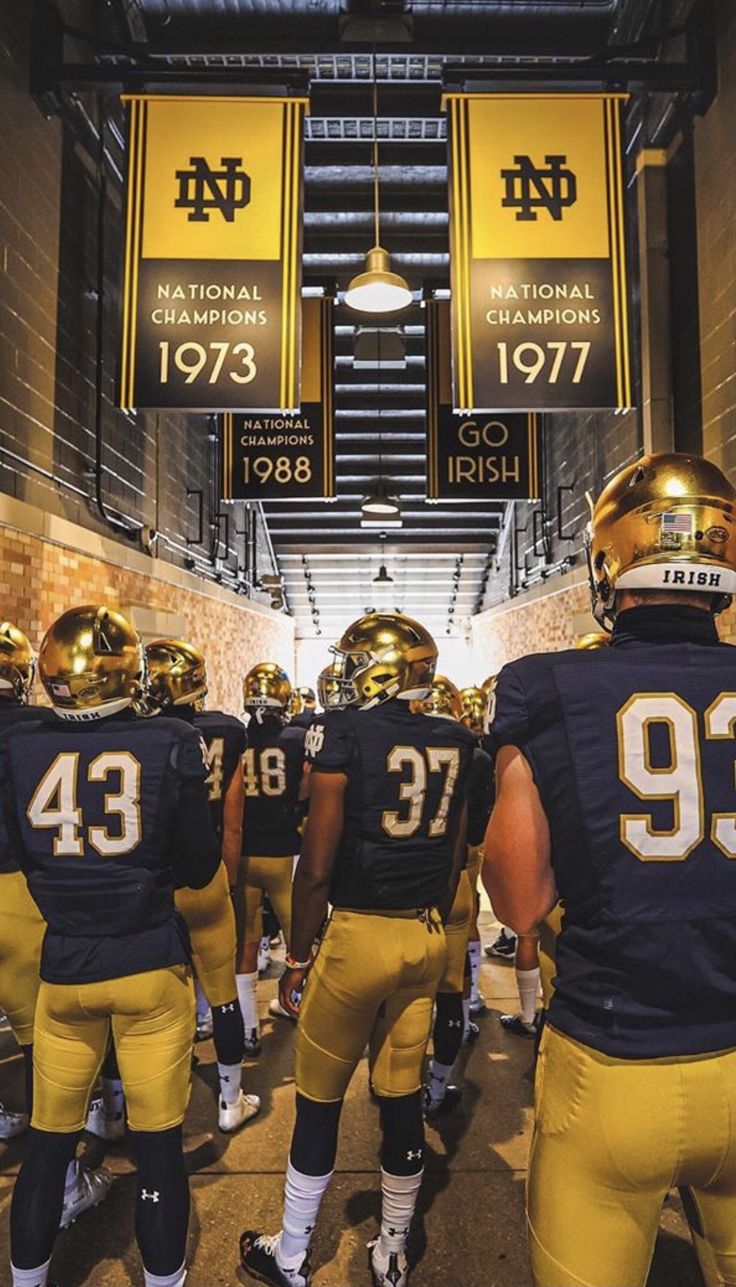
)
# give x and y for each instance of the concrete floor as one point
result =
(469, 1232)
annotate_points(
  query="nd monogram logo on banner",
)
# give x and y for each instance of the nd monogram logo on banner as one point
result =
(202, 189)
(529, 189)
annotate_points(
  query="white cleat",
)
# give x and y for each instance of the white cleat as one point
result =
(277, 1010)
(106, 1126)
(264, 955)
(388, 1270)
(89, 1190)
(12, 1124)
(232, 1116)
(204, 1026)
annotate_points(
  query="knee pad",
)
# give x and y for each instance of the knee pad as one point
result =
(402, 1125)
(314, 1145)
(448, 1027)
(228, 1033)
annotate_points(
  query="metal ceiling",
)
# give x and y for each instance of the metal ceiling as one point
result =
(441, 557)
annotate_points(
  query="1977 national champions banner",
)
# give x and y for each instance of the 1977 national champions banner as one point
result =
(211, 315)
(539, 286)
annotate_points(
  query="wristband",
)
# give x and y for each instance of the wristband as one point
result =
(291, 964)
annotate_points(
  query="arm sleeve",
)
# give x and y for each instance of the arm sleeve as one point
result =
(331, 746)
(510, 724)
(195, 846)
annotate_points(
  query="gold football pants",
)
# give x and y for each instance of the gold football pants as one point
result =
(151, 1017)
(374, 981)
(21, 935)
(210, 918)
(272, 876)
(548, 932)
(473, 866)
(457, 933)
(612, 1137)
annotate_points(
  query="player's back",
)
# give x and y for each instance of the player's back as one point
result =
(406, 778)
(12, 714)
(226, 739)
(273, 761)
(632, 750)
(94, 808)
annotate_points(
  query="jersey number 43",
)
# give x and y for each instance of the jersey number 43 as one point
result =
(55, 804)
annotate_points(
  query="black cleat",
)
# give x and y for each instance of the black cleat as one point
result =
(258, 1258)
(434, 1108)
(520, 1028)
(503, 947)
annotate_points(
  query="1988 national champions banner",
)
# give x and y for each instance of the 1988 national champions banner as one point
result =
(539, 288)
(211, 317)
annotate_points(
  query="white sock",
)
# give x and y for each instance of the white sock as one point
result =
(166, 1280)
(203, 1005)
(230, 1075)
(31, 1277)
(248, 998)
(72, 1174)
(466, 1014)
(474, 952)
(400, 1193)
(527, 981)
(439, 1080)
(113, 1096)
(302, 1199)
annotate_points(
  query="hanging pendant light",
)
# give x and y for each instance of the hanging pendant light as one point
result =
(383, 577)
(377, 289)
(379, 502)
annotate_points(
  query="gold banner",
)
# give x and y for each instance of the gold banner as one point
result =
(211, 317)
(288, 457)
(538, 252)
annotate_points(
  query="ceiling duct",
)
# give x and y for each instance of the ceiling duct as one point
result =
(379, 349)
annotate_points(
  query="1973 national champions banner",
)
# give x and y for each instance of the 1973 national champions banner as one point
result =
(211, 317)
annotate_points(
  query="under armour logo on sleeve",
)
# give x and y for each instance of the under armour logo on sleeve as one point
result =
(149, 1197)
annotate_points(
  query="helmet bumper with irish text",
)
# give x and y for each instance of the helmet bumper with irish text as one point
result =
(91, 663)
(666, 522)
(384, 655)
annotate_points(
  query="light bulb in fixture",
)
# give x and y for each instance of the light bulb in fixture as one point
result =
(377, 289)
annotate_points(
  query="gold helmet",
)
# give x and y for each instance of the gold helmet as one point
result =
(596, 639)
(443, 699)
(176, 673)
(308, 697)
(267, 687)
(384, 655)
(329, 688)
(473, 703)
(667, 522)
(17, 662)
(91, 663)
(296, 705)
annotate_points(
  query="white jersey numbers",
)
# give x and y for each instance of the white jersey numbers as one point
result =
(55, 804)
(678, 781)
(265, 771)
(415, 766)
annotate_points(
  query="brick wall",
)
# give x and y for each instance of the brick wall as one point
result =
(48, 564)
(50, 235)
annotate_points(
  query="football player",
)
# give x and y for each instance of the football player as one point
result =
(480, 800)
(452, 1018)
(106, 814)
(274, 766)
(384, 842)
(329, 689)
(305, 707)
(21, 923)
(504, 945)
(177, 686)
(615, 793)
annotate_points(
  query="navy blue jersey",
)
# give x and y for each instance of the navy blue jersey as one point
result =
(108, 817)
(226, 739)
(480, 795)
(632, 750)
(304, 720)
(274, 762)
(407, 777)
(11, 714)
